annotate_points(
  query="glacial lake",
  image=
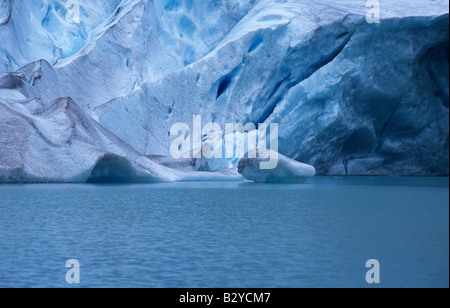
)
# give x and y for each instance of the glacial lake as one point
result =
(228, 234)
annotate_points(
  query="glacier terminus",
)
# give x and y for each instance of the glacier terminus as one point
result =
(94, 99)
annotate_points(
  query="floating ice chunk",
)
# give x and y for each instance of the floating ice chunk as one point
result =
(117, 169)
(287, 170)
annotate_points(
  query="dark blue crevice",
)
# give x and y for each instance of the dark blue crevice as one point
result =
(225, 82)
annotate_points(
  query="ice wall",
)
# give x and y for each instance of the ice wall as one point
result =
(349, 97)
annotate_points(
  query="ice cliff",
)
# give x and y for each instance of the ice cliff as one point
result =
(95, 101)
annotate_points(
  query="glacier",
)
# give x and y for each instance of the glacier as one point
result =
(95, 101)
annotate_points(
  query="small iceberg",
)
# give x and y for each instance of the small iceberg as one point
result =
(286, 171)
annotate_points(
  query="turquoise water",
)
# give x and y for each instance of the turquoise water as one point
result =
(227, 234)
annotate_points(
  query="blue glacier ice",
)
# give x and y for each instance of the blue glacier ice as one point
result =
(95, 101)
